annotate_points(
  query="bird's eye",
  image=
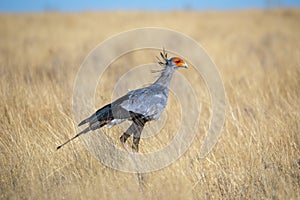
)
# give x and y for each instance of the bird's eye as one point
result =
(177, 60)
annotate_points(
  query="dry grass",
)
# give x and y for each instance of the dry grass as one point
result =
(258, 54)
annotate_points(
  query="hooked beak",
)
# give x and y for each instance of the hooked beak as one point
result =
(184, 65)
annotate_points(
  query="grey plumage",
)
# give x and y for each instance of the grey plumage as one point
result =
(139, 106)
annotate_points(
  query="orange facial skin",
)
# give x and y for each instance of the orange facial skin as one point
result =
(179, 62)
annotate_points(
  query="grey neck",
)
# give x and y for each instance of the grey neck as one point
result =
(165, 77)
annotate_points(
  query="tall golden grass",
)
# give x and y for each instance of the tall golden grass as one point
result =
(257, 156)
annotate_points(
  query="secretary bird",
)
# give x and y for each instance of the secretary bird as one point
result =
(139, 106)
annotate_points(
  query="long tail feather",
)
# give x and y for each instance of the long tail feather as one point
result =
(80, 133)
(90, 128)
(84, 121)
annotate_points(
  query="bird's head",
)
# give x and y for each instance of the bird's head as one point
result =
(175, 62)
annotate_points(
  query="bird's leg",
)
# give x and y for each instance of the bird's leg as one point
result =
(139, 125)
(127, 133)
(135, 145)
(136, 129)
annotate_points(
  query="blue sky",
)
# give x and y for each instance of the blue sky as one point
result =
(84, 5)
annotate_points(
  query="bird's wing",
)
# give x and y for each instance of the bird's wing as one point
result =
(149, 101)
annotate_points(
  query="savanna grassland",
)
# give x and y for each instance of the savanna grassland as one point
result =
(257, 156)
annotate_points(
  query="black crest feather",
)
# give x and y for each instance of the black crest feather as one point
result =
(164, 56)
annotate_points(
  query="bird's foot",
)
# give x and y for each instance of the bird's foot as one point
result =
(135, 145)
(135, 148)
(124, 137)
